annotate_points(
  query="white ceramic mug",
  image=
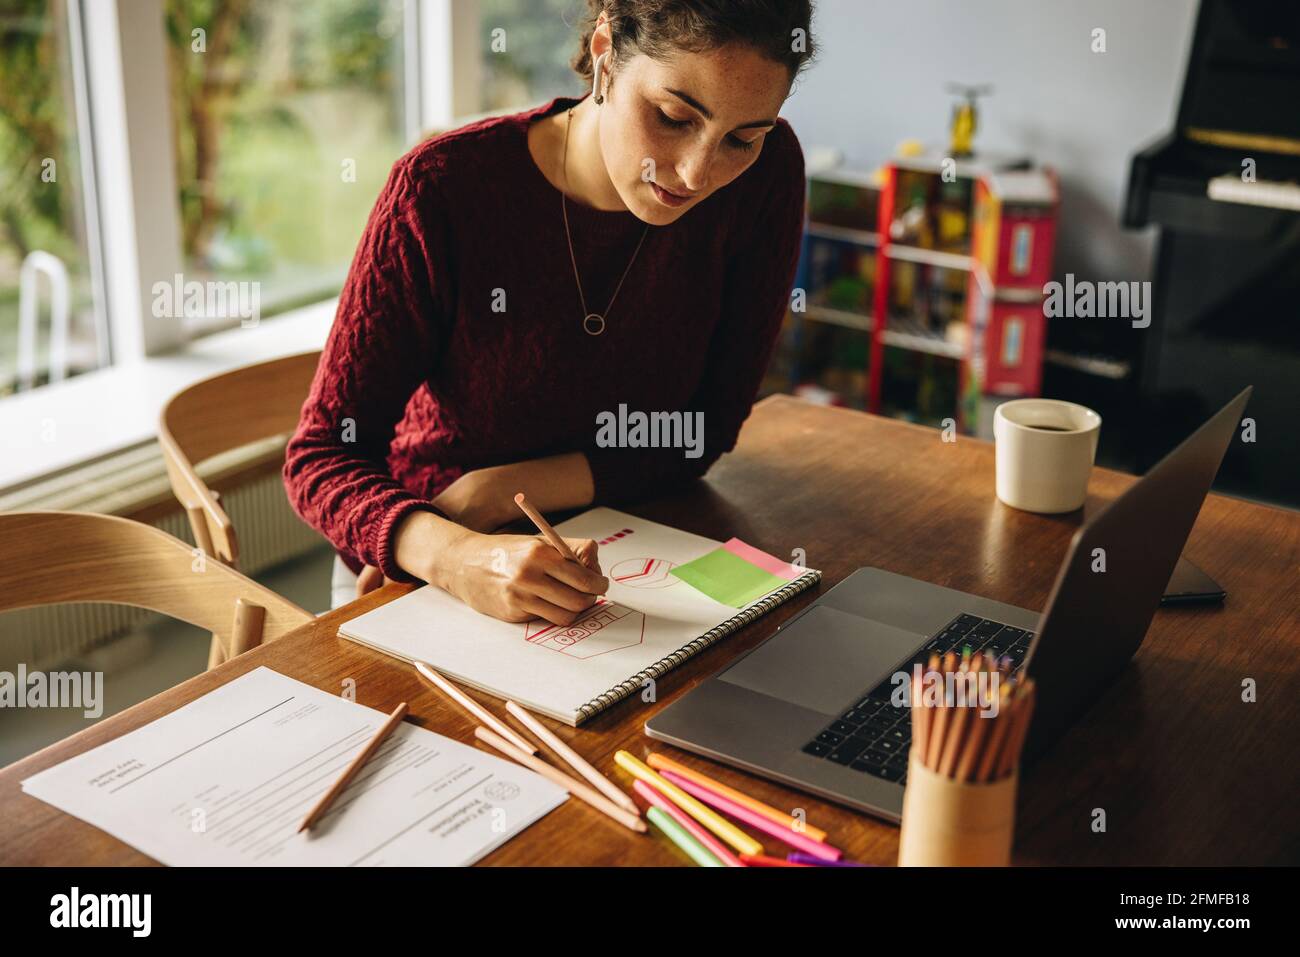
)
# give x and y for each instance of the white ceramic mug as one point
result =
(1044, 451)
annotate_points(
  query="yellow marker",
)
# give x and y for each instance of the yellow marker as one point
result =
(661, 763)
(742, 842)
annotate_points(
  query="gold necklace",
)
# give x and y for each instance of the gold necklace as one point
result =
(593, 323)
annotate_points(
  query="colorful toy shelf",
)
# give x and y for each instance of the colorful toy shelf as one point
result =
(923, 284)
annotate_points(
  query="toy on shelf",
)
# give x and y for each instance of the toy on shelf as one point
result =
(923, 267)
(922, 284)
(965, 118)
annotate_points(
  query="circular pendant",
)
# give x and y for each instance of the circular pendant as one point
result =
(594, 324)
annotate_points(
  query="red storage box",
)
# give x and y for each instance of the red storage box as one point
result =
(1007, 342)
(1015, 228)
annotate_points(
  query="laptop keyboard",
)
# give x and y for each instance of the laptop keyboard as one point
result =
(873, 736)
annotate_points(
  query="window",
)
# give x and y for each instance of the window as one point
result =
(288, 115)
(527, 46)
(236, 143)
(50, 327)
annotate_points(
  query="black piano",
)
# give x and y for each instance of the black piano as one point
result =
(1224, 189)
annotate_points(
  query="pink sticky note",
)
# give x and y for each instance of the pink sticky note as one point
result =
(769, 563)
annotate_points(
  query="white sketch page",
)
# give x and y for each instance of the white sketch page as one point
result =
(559, 670)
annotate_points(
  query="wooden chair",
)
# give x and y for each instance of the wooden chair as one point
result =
(218, 414)
(222, 413)
(49, 558)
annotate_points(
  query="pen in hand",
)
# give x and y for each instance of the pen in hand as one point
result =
(549, 533)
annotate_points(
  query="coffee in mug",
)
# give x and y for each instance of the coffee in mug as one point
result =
(1044, 454)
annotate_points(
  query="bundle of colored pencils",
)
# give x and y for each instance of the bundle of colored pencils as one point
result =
(953, 736)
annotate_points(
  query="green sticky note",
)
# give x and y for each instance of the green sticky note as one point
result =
(728, 578)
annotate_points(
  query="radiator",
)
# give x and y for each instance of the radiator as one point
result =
(134, 484)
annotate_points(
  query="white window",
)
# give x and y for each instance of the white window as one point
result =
(288, 115)
(51, 320)
(152, 148)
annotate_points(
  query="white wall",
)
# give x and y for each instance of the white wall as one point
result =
(883, 65)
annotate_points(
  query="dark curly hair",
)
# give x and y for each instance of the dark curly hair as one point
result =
(779, 29)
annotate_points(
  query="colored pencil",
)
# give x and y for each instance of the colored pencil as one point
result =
(572, 758)
(716, 847)
(675, 833)
(762, 860)
(661, 763)
(543, 526)
(473, 707)
(956, 736)
(957, 740)
(959, 726)
(975, 742)
(920, 719)
(990, 764)
(939, 725)
(1019, 728)
(723, 828)
(570, 784)
(351, 770)
(796, 857)
(743, 814)
(928, 711)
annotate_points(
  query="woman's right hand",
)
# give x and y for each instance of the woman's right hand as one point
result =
(521, 577)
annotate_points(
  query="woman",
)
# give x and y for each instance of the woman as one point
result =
(523, 276)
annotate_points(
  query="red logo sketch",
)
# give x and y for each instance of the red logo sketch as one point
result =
(605, 627)
(643, 573)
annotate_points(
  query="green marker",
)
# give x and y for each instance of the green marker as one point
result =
(696, 851)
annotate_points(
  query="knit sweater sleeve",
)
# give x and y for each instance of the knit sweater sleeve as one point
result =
(759, 277)
(387, 332)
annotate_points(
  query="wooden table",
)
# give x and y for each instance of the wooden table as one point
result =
(1186, 772)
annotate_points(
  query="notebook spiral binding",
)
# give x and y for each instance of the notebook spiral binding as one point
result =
(623, 689)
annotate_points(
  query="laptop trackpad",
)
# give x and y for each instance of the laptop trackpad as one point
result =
(824, 660)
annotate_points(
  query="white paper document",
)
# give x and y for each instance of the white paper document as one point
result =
(227, 779)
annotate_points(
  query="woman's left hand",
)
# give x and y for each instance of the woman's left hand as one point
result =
(477, 502)
(370, 579)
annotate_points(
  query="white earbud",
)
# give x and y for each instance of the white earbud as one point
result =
(595, 78)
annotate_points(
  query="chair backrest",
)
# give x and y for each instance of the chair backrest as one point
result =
(48, 558)
(222, 413)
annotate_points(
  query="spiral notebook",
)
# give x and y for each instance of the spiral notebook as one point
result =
(650, 621)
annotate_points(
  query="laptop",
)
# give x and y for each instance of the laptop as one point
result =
(811, 707)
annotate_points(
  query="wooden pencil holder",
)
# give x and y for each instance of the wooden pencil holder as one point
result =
(948, 823)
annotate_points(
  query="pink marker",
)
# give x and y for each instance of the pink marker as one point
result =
(800, 842)
(716, 847)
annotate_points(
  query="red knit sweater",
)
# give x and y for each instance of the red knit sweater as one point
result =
(458, 342)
